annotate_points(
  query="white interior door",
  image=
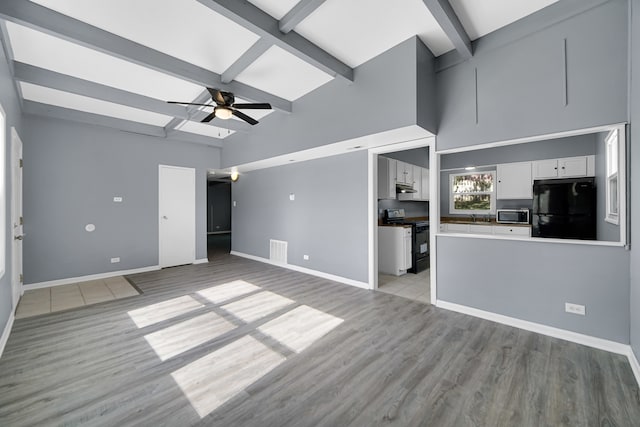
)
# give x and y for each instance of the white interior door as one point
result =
(16, 216)
(177, 210)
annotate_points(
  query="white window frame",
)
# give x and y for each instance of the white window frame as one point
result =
(492, 194)
(612, 166)
(3, 192)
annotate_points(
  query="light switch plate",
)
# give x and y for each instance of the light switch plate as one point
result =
(292, 197)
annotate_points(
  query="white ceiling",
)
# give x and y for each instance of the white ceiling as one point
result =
(479, 18)
(353, 31)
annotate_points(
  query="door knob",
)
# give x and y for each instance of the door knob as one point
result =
(20, 237)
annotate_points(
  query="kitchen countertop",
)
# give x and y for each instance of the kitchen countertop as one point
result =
(478, 221)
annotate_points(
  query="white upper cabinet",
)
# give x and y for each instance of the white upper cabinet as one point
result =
(404, 172)
(424, 184)
(386, 178)
(514, 181)
(568, 167)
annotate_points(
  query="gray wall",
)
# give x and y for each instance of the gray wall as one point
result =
(11, 106)
(582, 145)
(520, 95)
(532, 281)
(340, 111)
(635, 189)
(72, 172)
(219, 206)
(327, 220)
(415, 156)
(520, 84)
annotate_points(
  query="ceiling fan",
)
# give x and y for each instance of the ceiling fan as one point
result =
(226, 107)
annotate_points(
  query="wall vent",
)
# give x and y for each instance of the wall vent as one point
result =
(278, 251)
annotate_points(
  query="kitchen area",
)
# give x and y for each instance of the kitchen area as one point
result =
(403, 224)
(555, 189)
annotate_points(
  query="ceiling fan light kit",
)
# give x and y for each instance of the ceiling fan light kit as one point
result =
(226, 107)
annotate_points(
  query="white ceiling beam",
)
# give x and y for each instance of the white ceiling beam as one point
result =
(247, 58)
(46, 110)
(259, 22)
(299, 12)
(61, 113)
(46, 20)
(51, 79)
(450, 24)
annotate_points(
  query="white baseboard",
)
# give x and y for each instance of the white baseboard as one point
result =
(635, 366)
(599, 343)
(351, 282)
(6, 332)
(201, 261)
(71, 280)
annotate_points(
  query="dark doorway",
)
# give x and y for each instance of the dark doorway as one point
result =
(218, 218)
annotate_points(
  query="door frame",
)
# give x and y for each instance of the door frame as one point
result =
(16, 199)
(160, 198)
(434, 204)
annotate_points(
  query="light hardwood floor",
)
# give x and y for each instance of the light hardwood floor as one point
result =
(240, 343)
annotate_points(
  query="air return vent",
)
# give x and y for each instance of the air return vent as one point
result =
(278, 251)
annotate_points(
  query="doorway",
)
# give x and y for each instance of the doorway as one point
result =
(414, 158)
(177, 215)
(16, 217)
(218, 217)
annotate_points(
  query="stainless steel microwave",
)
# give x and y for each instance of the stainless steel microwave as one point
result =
(512, 216)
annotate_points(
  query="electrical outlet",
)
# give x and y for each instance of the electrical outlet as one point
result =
(305, 257)
(234, 204)
(117, 199)
(292, 197)
(575, 308)
(114, 260)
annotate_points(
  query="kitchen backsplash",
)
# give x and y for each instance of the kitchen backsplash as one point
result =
(411, 209)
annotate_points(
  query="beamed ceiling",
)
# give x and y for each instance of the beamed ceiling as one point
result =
(115, 63)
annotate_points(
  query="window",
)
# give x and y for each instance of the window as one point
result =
(472, 193)
(612, 143)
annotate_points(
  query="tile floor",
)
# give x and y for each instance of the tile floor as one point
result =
(57, 298)
(413, 286)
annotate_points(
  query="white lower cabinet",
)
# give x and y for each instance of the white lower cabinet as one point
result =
(394, 250)
(496, 230)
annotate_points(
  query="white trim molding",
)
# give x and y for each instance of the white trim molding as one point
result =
(6, 332)
(99, 276)
(201, 261)
(340, 279)
(599, 343)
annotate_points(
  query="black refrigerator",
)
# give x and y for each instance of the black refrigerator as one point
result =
(564, 208)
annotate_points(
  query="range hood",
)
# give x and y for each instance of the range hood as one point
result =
(404, 188)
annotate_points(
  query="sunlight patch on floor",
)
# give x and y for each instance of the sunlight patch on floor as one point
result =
(257, 306)
(217, 377)
(300, 327)
(165, 310)
(225, 292)
(177, 339)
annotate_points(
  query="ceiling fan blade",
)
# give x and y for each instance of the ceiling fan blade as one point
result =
(189, 103)
(244, 117)
(254, 106)
(208, 118)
